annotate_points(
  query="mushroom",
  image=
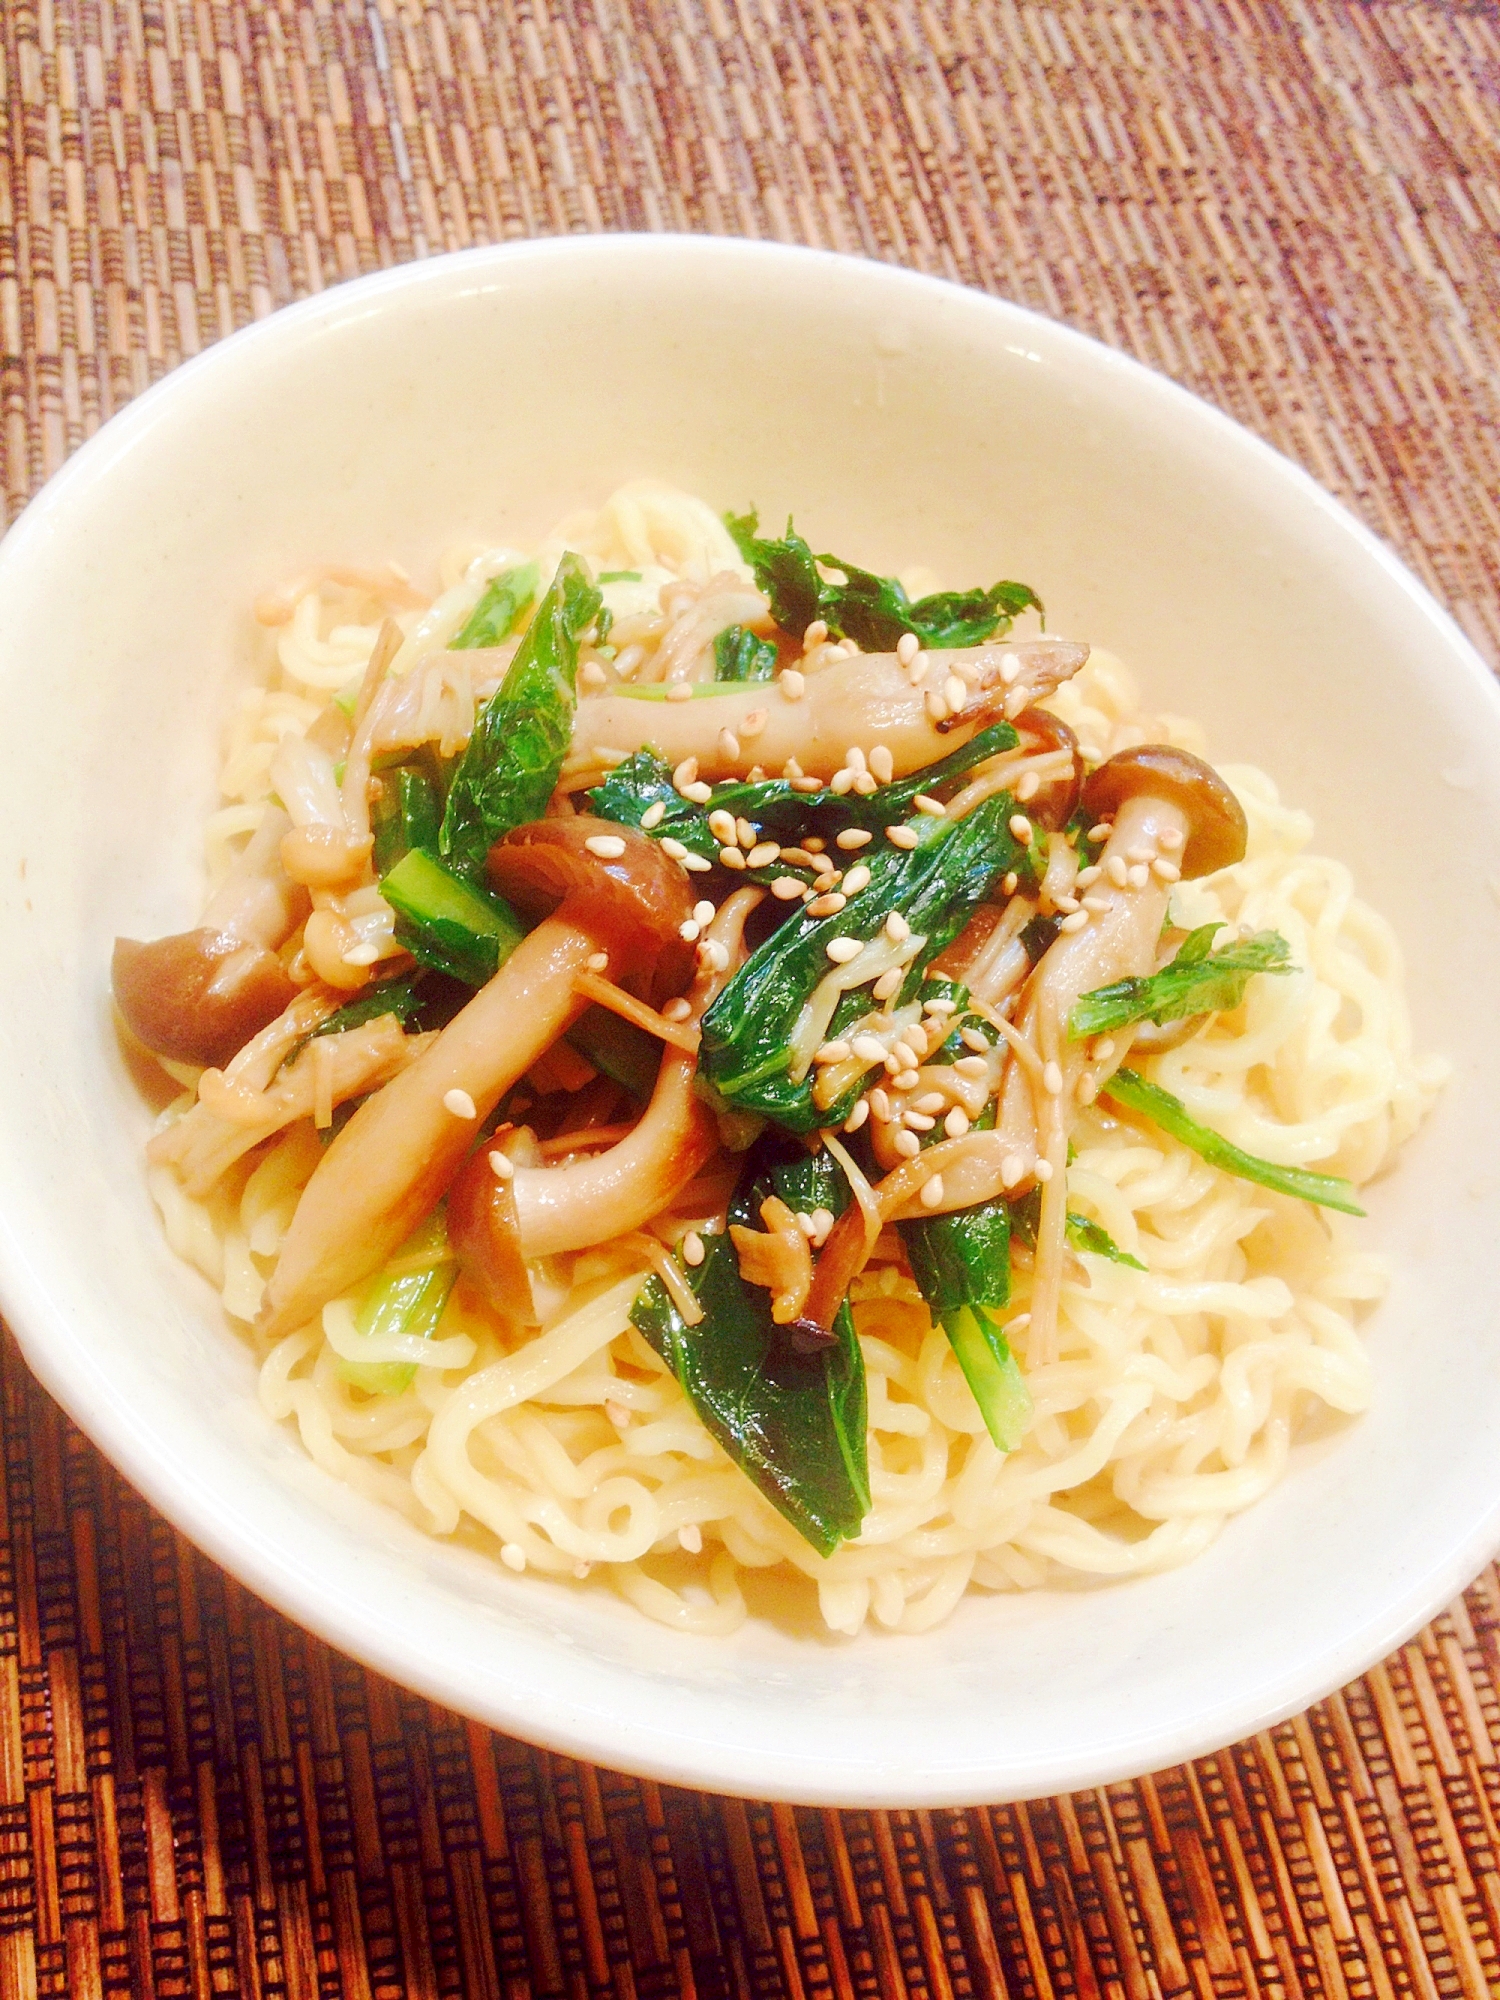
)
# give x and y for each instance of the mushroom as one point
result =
(868, 699)
(396, 1156)
(1049, 749)
(198, 996)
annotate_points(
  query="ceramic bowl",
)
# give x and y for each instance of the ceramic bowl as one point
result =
(482, 395)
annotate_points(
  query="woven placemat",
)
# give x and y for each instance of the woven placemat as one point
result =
(1293, 209)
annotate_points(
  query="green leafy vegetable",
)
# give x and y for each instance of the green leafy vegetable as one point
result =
(1172, 1115)
(795, 1424)
(449, 922)
(740, 656)
(961, 1263)
(872, 610)
(424, 1000)
(510, 768)
(408, 1297)
(1080, 1233)
(746, 1054)
(407, 814)
(499, 611)
(1199, 980)
(619, 576)
(621, 1050)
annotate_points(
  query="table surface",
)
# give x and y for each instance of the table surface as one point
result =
(1291, 208)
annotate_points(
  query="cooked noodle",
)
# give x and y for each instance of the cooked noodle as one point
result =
(1175, 1392)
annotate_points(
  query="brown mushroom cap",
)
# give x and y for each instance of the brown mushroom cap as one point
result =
(199, 996)
(1054, 805)
(637, 902)
(1216, 819)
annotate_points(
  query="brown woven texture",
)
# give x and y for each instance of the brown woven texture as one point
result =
(1291, 208)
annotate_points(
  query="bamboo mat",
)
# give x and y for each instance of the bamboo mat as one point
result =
(1294, 210)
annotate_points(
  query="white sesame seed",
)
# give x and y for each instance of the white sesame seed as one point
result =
(1010, 667)
(815, 634)
(763, 854)
(842, 949)
(930, 1101)
(832, 1052)
(1067, 904)
(1170, 839)
(858, 1115)
(807, 784)
(689, 931)
(854, 758)
(906, 1079)
(933, 808)
(744, 833)
(1015, 701)
(729, 744)
(597, 961)
(868, 1049)
(675, 848)
(889, 983)
(502, 1168)
(1051, 1079)
(685, 772)
(713, 956)
(908, 1144)
(791, 769)
(692, 1248)
(823, 1221)
(360, 954)
(1166, 871)
(806, 1224)
(901, 836)
(1088, 875)
(1043, 1172)
(676, 1010)
(841, 782)
(704, 911)
(753, 723)
(932, 1192)
(1103, 1049)
(897, 929)
(914, 1037)
(1146, 854)
(785, 887)
(696, 864)
(583, 1571)
(721, 826)
(592, 674)
(916, 673)
(865, 785)
(972, 1065)
(1011, 1169)
(880, 1104)
(1138, 876)
(679, 691)
(1011, 883)
(700, 794)
(654, 815)
(1020, 827)
(1101, 831)
(937, 708)
(972, 1039)
(827, 906)
(853, 837)
(955, 693)
(608, 846)
(907, 648)
(1028, 787)
(731, 857)
(1116, 870)
(1074, 921)
(1097, 903)
(957, 1122)
(857, 879)
(918, 1121)
(459, 1103)
(691, 1538)
(513, 1556)
(1088, 1088)
(792, 684)
(882, 763)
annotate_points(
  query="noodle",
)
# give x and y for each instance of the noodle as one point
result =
(1174, 1392)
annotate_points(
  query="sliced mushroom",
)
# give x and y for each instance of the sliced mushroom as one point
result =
(396, 1156)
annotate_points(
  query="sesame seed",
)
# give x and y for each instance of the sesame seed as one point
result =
(762, 855)
(791, 769)
(1088, 875)
(957, 1122)
(675, 848)
(889, 983)
(857, 879)
(907, 648)
(827, 906)
(360, 954)
(858, 1115)
(805, 1223)
(880, 1104)
(513, 1556)
(841, 782)
(591, 674)
(704, 911)
(1146, 854)
(865, 785)
(1052, 1079)
(901, 836)
(914, 1037)
(853, 837)
(785, 887)
(933, 808)
(753, 723)
(608, 846)
(823, 1221)
(597, 961)
(882, 763)
(502, 1168)
(916, 673)
(1011, 1169)
(1097, 903)
(908, 1144)
(583, 1571)
(696, 864)
(691, 1538)
(1101, 831)
(906, 1079)
(807, 784)
(1116, 870)
(827, 878)
(700, 794)
(955, 693)
(868, 1049)
(972, 1039)
(1029, 786)
(1088, 1088)
(1067, 904)
(1043, 1172)
(689, 931)
(937, 708)
(918, 1121)
(676, 1010)
(932, 1191)
(832, 1052)
(713, 956)
(685, 772)
(938, 1005)
(1010, 667)
(842, 949)
(679, 691)
(1166, 871)
(854, 758)
(1103, 1049)
(930, 1101)
(972, 1065)
(744, 833)
(815, 634)
(731, 857)
(721, 826)
(654, 815)
(692, 1249)
(1011, 883)
(459, 1103)
(792, 684)
(1020, 827)
(1075, 921)
(1170, 839)
(1138, 876)
(729, 744)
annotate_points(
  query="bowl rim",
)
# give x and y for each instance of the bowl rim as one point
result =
(183, 1497)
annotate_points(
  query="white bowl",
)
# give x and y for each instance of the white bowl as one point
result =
(905, 419)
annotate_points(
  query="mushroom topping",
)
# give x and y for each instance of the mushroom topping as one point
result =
(1215, 818)
(776, 1257)
(396, 1156)
(867, 699)
(198, 996)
